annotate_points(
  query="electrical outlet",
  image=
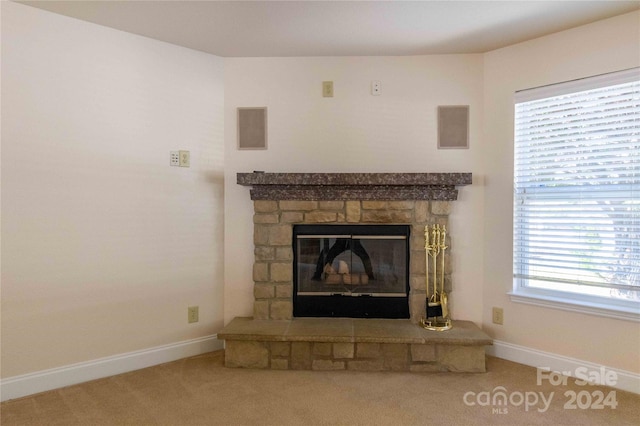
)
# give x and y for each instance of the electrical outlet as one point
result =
(498, 316)
(327, 89)
(185, 158)
(174, 158)
(193, 314)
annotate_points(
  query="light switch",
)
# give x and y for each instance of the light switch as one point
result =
(327, 89)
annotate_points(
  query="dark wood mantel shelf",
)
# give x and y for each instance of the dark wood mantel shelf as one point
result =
(354, 186)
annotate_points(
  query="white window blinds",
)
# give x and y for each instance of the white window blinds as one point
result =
(577, 186)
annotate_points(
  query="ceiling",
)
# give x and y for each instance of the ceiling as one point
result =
(339, 28)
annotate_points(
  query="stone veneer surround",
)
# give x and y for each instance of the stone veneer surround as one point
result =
(280, 201)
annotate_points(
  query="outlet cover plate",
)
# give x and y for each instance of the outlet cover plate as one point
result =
(498, 316)
(193, 314)
(185, 158)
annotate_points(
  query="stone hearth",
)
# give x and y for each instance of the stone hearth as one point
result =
(353, 344)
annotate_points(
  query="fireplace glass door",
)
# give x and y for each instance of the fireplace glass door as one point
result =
(354, 271)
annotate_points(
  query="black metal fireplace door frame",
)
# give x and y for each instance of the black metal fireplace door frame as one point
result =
(350, 306)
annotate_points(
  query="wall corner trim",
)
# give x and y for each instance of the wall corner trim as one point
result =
(41, 381)
(626, 380)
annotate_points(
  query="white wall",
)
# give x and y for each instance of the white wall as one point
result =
(103, 244)
(604, 46)
(354, 132)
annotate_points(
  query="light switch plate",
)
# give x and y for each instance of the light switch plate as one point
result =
(174, 158)
(327, 89)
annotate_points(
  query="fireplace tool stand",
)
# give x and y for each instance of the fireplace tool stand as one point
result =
(437, 303)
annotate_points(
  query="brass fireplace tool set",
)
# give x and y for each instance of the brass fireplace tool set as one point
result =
(437, 309)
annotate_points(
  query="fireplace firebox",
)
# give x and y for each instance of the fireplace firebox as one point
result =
(354, 271)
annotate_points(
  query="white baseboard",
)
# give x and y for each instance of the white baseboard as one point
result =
(626, 380)
(40, 381)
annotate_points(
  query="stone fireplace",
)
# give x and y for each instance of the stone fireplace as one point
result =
(285, 204)
(282, 200)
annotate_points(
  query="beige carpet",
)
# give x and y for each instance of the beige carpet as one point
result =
(200, 391)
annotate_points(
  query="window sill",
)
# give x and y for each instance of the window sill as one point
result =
(629, 311)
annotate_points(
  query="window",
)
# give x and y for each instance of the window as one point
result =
(577, 195)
